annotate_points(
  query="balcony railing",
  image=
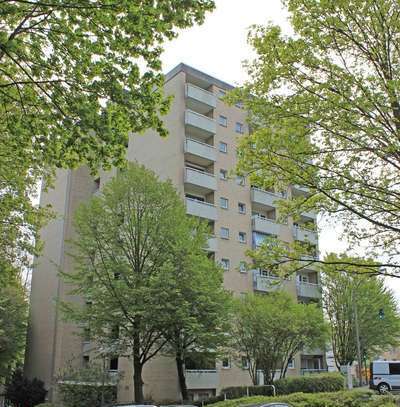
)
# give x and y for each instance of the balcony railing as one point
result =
(199, 98)
(199, 123)
(202, 379)
(212, 244)
(265, 225)
(200, 179)
(309, 290)
(205, 151)
(266, 198)
(201, 209)
(266, 283)
(305, 235)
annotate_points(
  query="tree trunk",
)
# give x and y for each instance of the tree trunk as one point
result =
(137, 380)
(181, 377)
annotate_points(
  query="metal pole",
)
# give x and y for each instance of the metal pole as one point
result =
(357, 342)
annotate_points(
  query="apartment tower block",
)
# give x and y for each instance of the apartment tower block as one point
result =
(199, 157)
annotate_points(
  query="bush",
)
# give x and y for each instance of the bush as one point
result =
(46, 405)
(306, 384)
(354, 398)
(22, 392)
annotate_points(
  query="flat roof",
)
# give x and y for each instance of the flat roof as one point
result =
(202, 76)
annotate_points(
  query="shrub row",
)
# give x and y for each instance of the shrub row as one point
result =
(353, 398)
(328, 382)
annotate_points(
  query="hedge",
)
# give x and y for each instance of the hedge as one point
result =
(352, 398)
(306, 384)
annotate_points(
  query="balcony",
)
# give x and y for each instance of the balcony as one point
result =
(265, 198)
(300, 190)
(200, 180)
(312, 352)
(305, 235)
(212, 244)
(201, 209)
(265, 225)
(266, 283)
(308, 290)
(310, 215)
(200, 125)
(202, 379)
(199, 153)
(199, 99)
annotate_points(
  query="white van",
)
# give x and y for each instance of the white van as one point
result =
(385, 375)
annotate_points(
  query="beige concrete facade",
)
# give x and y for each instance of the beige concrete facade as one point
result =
(199, 157)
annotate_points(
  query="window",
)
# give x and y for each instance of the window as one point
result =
(225, 264)
(291, 364)
(239, 128)
(239, 105)
(223, 174)
(114, 364)
(226, 363)
(303, 278)
(245, 362)
(242, 208)
(223, 147)
(221, 93)
(240, 180)
(223, 202)
(223, 120)
(242, 237)
(85, 361)
(242, 267)
(394, 368)
(224, 233)
(86, 334)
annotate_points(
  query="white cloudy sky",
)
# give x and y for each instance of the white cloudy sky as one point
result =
(219, 47)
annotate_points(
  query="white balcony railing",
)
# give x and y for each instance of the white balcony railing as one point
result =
(308, 290)
(199, 122)
(265, 225)
(266, 283)
(212, 244)
(200, 179)
(265, 198)
(201, 209)
(305, 235)
(200, 96)
(202, 379)
(199, 149)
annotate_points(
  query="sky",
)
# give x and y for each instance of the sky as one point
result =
(219, 47)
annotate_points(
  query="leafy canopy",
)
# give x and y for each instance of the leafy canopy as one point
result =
(133, 266)
(268, 330)
(324, 105)
(76, 78)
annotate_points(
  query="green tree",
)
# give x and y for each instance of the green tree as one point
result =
(127, 243)
(199, 306)
(13, 324)
(345, 293)
(268, 330)
(76, 78)
(324, 107)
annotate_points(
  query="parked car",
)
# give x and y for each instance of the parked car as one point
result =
(384, 375)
